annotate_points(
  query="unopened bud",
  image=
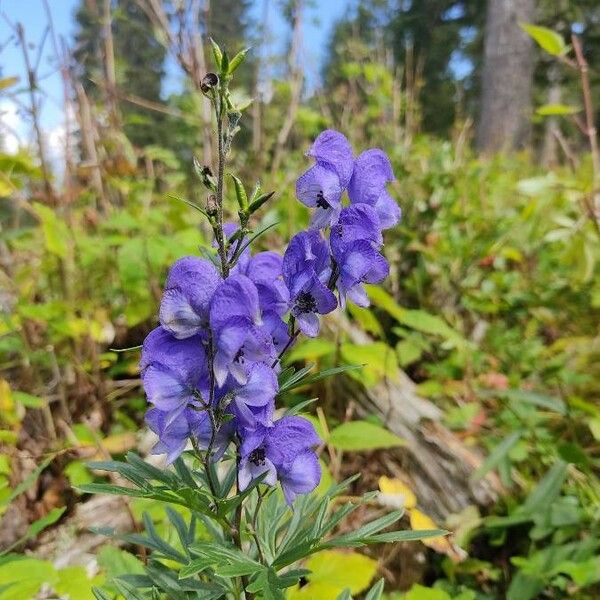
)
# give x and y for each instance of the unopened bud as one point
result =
(209, 81)
(211, 205)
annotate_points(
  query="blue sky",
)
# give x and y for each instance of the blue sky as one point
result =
(31, 13)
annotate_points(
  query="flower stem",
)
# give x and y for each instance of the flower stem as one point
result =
(222, 154)
(213, 421)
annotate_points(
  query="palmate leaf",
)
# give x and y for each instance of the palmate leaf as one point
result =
(226, 561)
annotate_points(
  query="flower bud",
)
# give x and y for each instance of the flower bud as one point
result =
(209, 81)
(211, 205)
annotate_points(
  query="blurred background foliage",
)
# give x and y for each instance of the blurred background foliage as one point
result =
(492, 307)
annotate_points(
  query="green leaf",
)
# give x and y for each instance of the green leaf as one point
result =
(325, 374)
(116, 562)
(240, 192)
(25, 576)
(498, 454)
(311, 348)
(583, 573)
(128, 590)
(419, 320)
(363, 435)
(56, 233)
(376, 592)
(114, 490)
(195, 566)
(378, 359)
(411, 535)
(237, 60)
(365, 534)
(420, 592)
(217, 54)
(100, 594)
(52, 517)
(541, 400)
(549, 110)
(189, 203)
(548, 40)
(27, 400)
(74, 583)
(226, 561)
(575, 454)
(78, 473)
(27, 482)
(224, 63)
(259, 201)
(547, 489)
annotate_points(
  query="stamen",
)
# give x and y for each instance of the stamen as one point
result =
(257, 457)
(321, 202)
(306, 303)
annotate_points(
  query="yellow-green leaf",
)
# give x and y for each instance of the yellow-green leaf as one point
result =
(379, 362)
(419, 320)
(363, 435)
(550, 110)
(548, 40)
(310, 349)
(333, 571)
(55, 231)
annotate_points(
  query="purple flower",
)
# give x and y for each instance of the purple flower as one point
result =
(307, 253)
(236, 323)
(255, 400)
(332, 149)
(357, 222)
(174, 432)
(173, 370)
(189, 288)
(282, 451)
(238, 344)
(360, 263)
(306, 266)
(322, 185)
(277, 328)
(265, 270)
(372, 172)
(236, 296)
(315, 298)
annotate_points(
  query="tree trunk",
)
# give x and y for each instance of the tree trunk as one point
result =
(507, 77)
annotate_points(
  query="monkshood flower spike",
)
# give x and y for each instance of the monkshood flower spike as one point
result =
(216, 380)
(210, 370)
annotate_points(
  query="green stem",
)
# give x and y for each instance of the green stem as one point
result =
(220, 177)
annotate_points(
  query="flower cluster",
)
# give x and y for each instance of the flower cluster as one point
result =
(210, 369)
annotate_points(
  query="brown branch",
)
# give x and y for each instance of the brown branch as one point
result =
(35, 113)
(591, 131)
